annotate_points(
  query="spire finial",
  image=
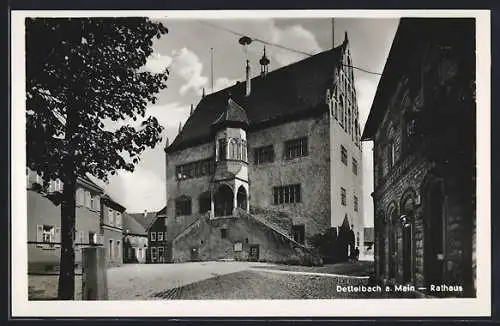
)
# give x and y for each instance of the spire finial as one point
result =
(345, 37)
(203, 92)
(264, 62)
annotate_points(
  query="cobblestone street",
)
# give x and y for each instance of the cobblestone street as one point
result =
(225, 280)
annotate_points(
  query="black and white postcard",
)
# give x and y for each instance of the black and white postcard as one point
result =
(251, 163)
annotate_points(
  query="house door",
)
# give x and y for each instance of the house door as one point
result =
(195, 254)
(253, 254)
(433, 235)
(407, 253)
(161, 257)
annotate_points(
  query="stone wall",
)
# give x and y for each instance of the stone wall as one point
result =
(205, 236)
(411, 172)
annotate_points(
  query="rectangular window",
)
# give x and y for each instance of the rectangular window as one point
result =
(298, 232)
(183, 206)
(160, 254)
(111, 217)
(118, 219)
(153, 254)
(160, 236)
(153, 236)
(87, 199)
(118, 250)
(110, 249)
(195, 169)
(80, 197)
(343, 196)
(48, 233)
(356, 203)
(354, 166)
(286, 194)
(343, 154)
(296, 148)
(264, 154)
(223, 233)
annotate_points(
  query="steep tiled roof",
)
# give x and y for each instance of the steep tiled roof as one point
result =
(131, 225)
(145, 220)
(289, 92)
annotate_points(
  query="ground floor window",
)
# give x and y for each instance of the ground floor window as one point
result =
(110, 249)
(298, 232)
(160, 254)
(153, 254)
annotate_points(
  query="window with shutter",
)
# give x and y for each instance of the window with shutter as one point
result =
(57, 237)
(39, 236)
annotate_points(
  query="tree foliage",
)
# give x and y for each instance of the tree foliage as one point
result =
(81, 75)
(89, 67)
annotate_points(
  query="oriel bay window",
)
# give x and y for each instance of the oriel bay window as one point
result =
(183, 206)
(296, 148)
(287, 194)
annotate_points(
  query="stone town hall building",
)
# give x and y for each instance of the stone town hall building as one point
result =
(422, 124)
(261, 167)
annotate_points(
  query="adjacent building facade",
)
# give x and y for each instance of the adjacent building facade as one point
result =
(44, 221)
(98, 222)
(422, 124)
(281, 149)
(112, 229)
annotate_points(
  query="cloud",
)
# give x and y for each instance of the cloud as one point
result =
(295, 37)
(223, 82)
(157, 63)
(188, 66)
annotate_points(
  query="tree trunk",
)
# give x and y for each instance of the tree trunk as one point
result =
(66, 290)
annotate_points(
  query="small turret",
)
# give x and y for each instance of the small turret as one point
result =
(264, 63)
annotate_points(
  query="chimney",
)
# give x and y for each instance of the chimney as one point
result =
(248, 79)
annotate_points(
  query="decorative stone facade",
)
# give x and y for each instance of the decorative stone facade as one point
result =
(422, 123)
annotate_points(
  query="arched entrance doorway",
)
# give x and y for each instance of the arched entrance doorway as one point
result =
(407, 218)
(381, 236)
(223, 201)
(393, 241)
(241, 198)
(433, 233)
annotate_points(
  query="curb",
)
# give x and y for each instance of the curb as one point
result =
(310, 273)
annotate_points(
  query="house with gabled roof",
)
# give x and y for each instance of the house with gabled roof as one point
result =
(44, 220)
(265, 165)
(159, 245)
(135, 240)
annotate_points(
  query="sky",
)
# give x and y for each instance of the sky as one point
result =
(185, 50)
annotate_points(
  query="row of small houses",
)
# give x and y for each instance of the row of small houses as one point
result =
(100, 221)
